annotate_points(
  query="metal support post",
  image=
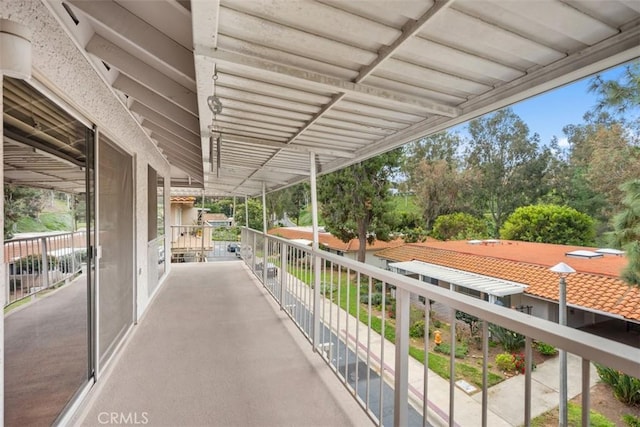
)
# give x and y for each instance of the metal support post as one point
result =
(317, 270)
(401, 385)
(563, 416)
(586, 390)
(45, 262)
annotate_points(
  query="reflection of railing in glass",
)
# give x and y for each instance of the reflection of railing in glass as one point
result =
(42, 262)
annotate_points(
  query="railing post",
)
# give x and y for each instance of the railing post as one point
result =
(485, 373)
(586, 389)
(401, 389)
(317, 271)
(73, 252)
(283, 272)
(202, 257)
(254, 244)
(265, 267)
(528, 356)
(45, 261)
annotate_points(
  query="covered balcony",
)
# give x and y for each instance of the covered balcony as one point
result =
(122, 104)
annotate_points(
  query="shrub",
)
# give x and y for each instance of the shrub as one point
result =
(631, 420)
(549, 224)
(417, 329)
(376, 299)
(546, 349)
(625, 387)
(505, 362)
(511, 341)
(444, 348)
(520, 363)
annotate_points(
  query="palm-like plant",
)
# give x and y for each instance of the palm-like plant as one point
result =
(627, 231)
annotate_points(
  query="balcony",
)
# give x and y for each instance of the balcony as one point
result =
(214, 349)
(227, 342)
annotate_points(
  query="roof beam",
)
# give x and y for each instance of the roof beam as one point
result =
(273, 169)
(288, 147)
(143, 73)
(193, 140)
(283, 74)
(408, 30)
(153, 116)
(156, 102)
(138, 34)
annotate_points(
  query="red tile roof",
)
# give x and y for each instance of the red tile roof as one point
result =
(330, 240)
(595, 285)
(183, 199)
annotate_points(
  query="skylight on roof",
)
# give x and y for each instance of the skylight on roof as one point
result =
(583, 254)
(609, 251)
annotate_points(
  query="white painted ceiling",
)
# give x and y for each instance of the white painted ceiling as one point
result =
(345, 80)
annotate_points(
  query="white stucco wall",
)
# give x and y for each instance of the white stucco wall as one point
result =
(369, 259)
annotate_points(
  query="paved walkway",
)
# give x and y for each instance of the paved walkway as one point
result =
(214, 350)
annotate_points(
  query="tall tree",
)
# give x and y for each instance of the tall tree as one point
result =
(20, 202)
(621, 94)
(432, 166)
(298, 200)
(509, 162)
(355, 200)
(255, 214)
(602, 155)
(627, 230)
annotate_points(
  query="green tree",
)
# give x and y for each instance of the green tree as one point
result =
(549, 224)
(434, 175)
(255, 214)
(298, 200)
(626, 233)
(619, 95)
(20, 202)
(459, 226)
(509, 163)
(355, 200)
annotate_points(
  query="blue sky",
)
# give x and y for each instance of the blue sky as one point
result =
(549, 112)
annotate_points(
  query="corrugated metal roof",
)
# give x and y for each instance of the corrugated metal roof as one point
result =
(485, 284)
(343, 80)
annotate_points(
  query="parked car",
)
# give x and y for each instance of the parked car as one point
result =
(233, 247)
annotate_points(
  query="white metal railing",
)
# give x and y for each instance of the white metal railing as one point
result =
(380, 373)
(38, 263)
(199, 243)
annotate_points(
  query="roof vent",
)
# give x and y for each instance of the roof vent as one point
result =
(609, 251)
(474, 242)
(583, 254)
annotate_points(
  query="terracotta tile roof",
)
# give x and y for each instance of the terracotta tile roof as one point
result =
(183, 199)
(593, 286)
(330, 240)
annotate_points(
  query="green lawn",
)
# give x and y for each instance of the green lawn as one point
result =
(574, 415)
(437, 363)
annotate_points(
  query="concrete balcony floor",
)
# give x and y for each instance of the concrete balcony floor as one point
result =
(214, 349)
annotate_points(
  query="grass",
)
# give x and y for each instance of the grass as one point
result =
(17, 304)
(437, 363)
(574, 415)
(406, 204)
